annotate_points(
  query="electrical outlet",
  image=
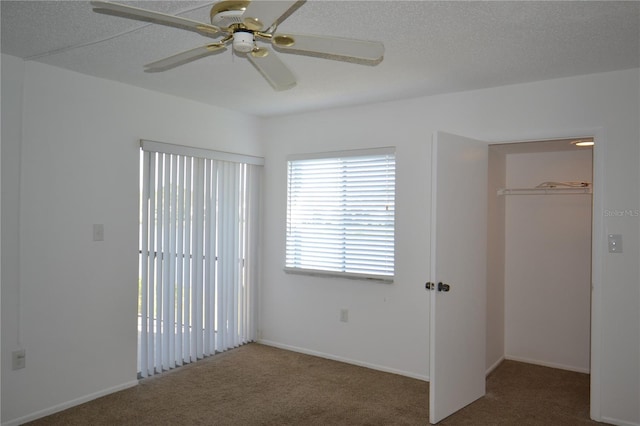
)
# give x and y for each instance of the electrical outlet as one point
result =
(344, 315)
(18, 359)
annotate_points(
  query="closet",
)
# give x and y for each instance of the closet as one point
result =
(539, 254)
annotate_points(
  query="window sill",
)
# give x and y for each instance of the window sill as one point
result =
(330, 274)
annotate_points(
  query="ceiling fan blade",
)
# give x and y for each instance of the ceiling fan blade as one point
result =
(262, 14)
(272, 68)
(184, 57)
(154, 17)
(333, 46)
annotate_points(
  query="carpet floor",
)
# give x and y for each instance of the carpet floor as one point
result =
(261, 385)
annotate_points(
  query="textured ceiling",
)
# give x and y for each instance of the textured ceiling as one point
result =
(430, 47)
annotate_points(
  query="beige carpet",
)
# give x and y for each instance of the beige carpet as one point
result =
(261, 385)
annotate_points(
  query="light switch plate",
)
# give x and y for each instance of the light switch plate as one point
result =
(18, 359)
(98, 232)
(344, 315)
(615, 243)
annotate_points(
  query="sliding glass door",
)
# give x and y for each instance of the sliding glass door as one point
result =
(198, 255)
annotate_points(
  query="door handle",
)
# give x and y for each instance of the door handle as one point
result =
(443, 287)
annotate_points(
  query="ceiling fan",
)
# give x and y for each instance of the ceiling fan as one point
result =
(244, 23)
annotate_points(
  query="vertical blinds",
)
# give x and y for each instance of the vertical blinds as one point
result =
(341, 214)
(198, 257)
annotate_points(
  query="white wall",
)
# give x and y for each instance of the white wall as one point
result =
(388, 323)
(79, 142)
(12, 79)
(548, 262)
(387, 326)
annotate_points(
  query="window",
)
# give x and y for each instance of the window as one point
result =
(341, 214)
(198, 254)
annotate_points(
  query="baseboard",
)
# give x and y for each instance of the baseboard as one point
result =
(69, 404)
(548, 364)
(617, 422)
(345, 360)
(494, 366)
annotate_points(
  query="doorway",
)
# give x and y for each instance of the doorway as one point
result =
(487, 265)
(539, 254)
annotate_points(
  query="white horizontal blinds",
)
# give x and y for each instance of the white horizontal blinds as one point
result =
(196, 296)
(341, 214)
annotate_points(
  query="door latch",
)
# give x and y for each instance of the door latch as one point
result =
(430, 286)
(443, 287)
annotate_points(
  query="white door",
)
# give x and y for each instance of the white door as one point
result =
(458, 259)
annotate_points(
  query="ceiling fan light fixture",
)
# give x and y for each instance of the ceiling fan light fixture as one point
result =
(243, 41)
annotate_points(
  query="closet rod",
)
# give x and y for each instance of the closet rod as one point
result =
(544, 191)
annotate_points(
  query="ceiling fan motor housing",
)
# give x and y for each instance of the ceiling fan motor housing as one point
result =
(243, 41)
(226, 13)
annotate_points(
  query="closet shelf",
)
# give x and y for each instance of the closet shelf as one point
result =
(544, 191)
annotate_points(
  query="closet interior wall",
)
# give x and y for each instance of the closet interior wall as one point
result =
(539, 272)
